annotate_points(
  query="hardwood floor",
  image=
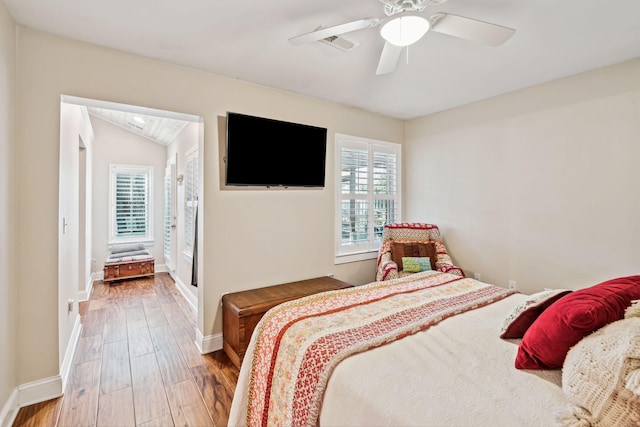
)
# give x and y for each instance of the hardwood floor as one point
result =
(136, 364)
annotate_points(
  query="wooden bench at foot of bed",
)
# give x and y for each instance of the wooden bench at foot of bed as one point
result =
(128, 268)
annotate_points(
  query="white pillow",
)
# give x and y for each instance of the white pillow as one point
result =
(600, 376)
(126, 247)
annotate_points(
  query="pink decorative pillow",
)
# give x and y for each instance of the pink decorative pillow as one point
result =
(525, 313)
(568, 320)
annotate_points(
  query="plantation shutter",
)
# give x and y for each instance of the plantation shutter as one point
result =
(191, 198)
(385, 189)
(131, 204)
(369, 192)
(354, 196)
(167, 216)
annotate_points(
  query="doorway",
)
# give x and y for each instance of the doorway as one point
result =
(119, 134)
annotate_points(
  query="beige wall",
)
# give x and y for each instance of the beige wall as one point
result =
(116, 145)
(538, 186)
(249, 238)
(8, 286)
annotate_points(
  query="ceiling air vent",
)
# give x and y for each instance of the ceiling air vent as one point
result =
(339, 43)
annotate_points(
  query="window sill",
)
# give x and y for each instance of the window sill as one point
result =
(145, 242)
(360, 256)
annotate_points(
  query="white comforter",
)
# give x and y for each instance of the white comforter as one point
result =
(457, 373)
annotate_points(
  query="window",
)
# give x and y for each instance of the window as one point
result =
(190, 198)
(167, 214)
(368, 194)
(131, 192)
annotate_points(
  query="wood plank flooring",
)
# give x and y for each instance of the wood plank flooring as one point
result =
(136, 364)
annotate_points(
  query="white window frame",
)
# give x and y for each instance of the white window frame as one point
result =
(114, 170)
(190, 155)
(369, 250)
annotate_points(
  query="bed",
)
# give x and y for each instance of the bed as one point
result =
(441, 362)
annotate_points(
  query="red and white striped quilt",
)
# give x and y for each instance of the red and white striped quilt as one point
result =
(301, 341)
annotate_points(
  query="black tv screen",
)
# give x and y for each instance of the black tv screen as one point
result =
(268, 152)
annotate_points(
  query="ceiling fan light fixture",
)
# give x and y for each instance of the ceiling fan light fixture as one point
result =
(404, 29)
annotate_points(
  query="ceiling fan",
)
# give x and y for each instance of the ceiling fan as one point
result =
(405, 25)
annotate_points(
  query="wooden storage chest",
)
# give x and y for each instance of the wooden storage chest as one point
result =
(241, 311)
(129, 269)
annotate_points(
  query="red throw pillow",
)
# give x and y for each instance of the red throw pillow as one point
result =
(572, 317)
(524, 314)
(400, 250)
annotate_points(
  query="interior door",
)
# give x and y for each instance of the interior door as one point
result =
(170, 219)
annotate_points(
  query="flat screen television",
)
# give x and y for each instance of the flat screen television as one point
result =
(267, 152)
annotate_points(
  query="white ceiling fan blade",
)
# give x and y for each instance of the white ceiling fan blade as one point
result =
(470, 29)
(335, 30)
(389, 58)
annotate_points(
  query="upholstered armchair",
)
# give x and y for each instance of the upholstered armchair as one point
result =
(413, 240)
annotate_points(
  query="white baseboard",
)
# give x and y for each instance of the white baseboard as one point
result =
(29, 394)
(161, 268)
(39, 391)
(10, 409)
(208, 344)
(187, 294)
(84, 295)
(65, 369)
(98, 275)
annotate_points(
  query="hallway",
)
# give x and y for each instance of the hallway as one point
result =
(136, 364)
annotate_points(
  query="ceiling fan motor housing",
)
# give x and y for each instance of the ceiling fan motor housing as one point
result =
(391, 7)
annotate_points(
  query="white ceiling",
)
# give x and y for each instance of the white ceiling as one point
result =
(247, 40)
(158, 129)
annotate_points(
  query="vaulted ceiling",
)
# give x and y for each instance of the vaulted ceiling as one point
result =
(158, 129)
(249, 41)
